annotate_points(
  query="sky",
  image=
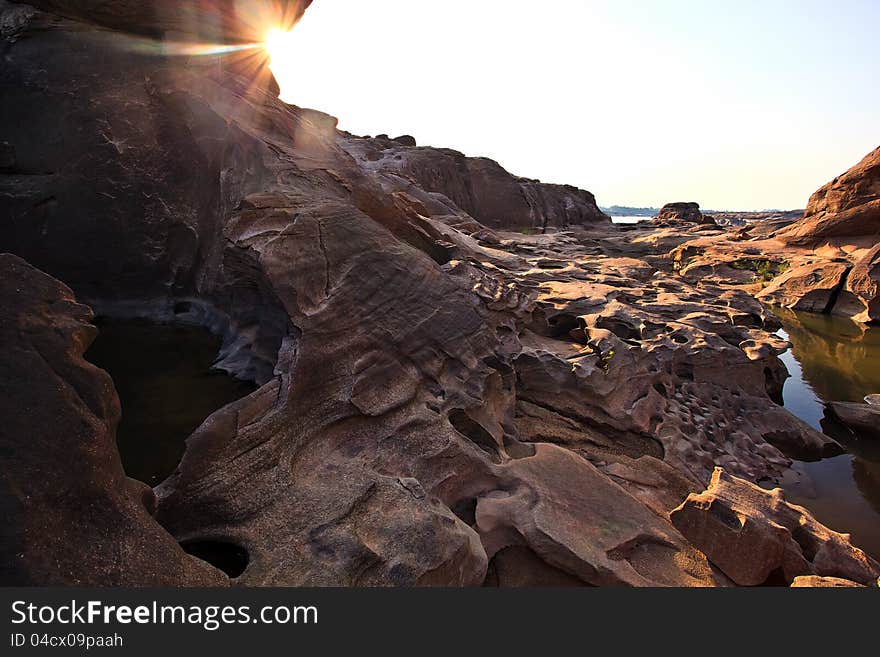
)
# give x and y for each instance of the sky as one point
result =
(740, 106)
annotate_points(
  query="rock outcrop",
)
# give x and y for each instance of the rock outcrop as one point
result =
(70, 515)
(754, 535)
(681, 212)
(478, 186)
(812, 287)
(848, 207)
(816, 582)
(863, 419)
(860, 298)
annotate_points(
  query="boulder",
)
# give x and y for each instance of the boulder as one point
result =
(811, 287)
(755, 537)
(860, 299)
(680, 212)
(561, 508)
(863, 419)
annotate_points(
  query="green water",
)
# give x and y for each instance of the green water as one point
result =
(166, 386)
(834, 359)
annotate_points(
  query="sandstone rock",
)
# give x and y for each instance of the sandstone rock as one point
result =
(752, 534)
(481, 187)
(680, 212)
(863, 419)
(813, 581)
(576, 520)
(861, 297)
(812, 287)
(71, 517)
(441, 403)
(847, 207)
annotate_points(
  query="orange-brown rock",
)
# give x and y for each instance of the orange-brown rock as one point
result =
(681, 212)
(480, 187)
(816, 582)
(847, 207)
(441, 404)
(812, 287)
(755, 537)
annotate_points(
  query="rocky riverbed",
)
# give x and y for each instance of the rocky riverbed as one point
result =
(465, 377)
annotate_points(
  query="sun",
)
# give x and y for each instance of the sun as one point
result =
(279, 45)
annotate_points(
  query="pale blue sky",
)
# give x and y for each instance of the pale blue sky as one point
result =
(737, 105)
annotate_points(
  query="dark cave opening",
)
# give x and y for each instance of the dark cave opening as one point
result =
(166, 387)
(232, 559)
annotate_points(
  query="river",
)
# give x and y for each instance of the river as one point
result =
(834, 359)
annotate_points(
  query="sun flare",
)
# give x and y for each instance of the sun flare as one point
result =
(279, 45)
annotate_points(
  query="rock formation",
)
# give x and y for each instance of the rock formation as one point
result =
(864, 419)
(753, 534)
(70, 515)
(478, 186)
(847, 207)
(673, 213)
(442, 402)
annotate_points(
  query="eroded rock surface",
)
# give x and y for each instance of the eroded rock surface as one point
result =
(478, 186)
(70, 515)
(442, 402)
(752, 534)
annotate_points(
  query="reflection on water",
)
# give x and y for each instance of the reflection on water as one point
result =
(167, 388)
(834, 359)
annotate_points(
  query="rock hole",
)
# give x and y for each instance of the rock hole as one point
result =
(776, 578)
(182, 307)
(232, 559)
(562, 325)
(466, 510)
(472, 430)
(163, 375)
(806, 541)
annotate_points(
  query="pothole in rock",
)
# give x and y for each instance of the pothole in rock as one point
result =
(232, 559)
(166, 386)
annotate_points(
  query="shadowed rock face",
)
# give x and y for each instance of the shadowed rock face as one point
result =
(220, 20)
(71, 517)
(439, 401)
